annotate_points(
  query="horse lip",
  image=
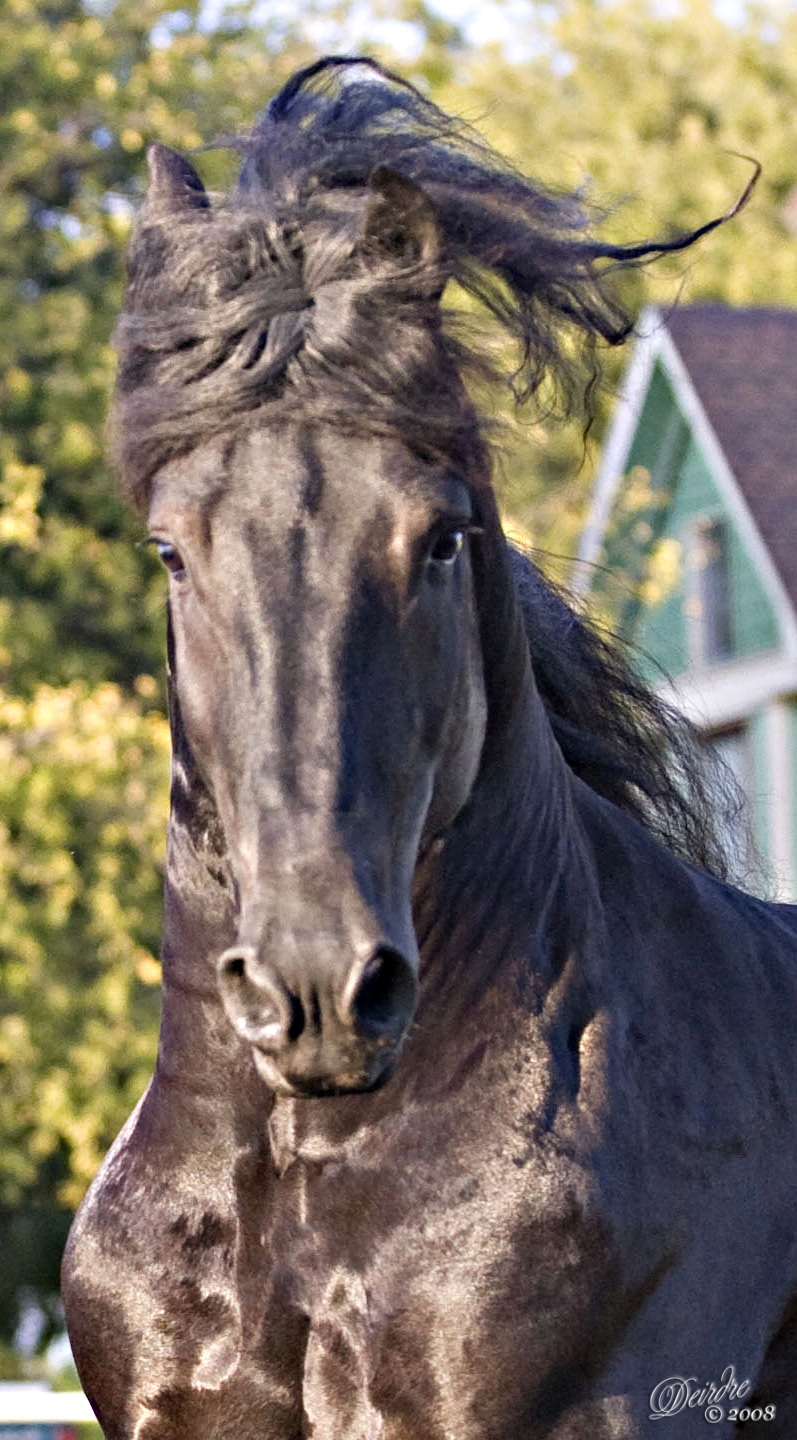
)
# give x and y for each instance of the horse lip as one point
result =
(320, 1086)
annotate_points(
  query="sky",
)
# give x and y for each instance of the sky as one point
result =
(483, 22)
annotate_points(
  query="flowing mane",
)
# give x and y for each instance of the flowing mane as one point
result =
(272, 310)
(620, 738)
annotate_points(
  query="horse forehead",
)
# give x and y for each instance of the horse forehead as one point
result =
(319, 475)
(267, 482)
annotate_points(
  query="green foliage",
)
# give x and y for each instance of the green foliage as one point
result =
(647, 105)
(83, 737)
(82, 90)
(84, 807)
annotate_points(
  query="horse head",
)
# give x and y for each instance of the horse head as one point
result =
(326, 659)
(292, 415)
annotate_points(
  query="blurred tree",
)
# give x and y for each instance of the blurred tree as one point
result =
(648, 108)
(83, 87)
(645, 103)
(83, 740)
(83, 810)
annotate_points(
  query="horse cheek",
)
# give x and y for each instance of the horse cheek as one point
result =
(463, 721)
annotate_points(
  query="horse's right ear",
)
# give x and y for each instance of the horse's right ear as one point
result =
(174, 186)
(400, 221)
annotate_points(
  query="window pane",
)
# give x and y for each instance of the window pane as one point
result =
(714, 590)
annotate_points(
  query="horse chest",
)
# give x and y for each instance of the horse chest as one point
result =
(438, 1318)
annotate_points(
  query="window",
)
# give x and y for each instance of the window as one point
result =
(709, 606)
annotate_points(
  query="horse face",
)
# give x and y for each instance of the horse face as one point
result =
(329, 683)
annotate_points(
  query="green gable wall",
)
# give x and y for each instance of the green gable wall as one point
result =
(671, 487)
(657, 411)
(642, 586)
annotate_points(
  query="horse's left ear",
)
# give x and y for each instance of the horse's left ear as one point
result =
(400, 222)
(174, 186)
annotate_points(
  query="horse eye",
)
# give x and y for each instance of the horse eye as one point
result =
(171, 558)
(447, 547)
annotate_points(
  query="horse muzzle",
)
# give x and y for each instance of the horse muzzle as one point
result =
(315, 1037)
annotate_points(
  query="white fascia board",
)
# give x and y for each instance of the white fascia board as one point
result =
(29, 1404)
(617, 446)
(781, 789)
(718, 696)
(656, 344)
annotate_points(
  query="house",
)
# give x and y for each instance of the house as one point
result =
(695, 510)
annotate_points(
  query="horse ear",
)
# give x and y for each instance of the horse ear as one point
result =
(174, 186)
(400, 221)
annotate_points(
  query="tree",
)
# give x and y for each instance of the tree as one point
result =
(83, 737)
(84, 807)
(649, 107)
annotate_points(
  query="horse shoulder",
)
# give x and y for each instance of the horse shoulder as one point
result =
(153, 1267)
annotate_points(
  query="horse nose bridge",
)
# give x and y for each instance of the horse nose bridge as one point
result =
(317, 930)
(316, 882)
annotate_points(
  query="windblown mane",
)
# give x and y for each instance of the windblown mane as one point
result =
(624, 741)
(265, 305)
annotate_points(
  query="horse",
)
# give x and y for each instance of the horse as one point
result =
(474, 1109)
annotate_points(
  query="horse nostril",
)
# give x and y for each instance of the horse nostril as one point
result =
(296, 1020)
(381, 993)
(253, 998)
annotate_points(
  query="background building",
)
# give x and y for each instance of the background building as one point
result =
(695, 507)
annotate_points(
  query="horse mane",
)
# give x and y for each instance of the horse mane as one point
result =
(266, 304)
(623, 740)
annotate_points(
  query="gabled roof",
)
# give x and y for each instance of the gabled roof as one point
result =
(743, 366)
(734, 376)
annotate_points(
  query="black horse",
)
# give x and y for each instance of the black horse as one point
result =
(474, 1110)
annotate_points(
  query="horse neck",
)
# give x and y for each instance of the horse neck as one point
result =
(507, 889)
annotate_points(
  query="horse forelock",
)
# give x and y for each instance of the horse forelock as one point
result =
(270, 300)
